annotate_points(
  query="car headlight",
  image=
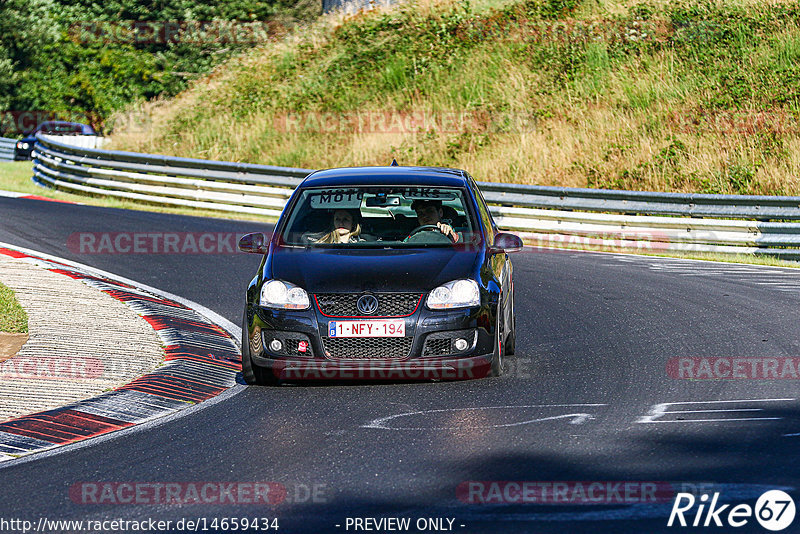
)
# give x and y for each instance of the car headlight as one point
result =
(23, 146)
(455, 294)
(277, 294)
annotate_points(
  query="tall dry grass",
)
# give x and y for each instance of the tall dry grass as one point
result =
(691, 96)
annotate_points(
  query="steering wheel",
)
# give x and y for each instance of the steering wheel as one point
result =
(438, 236)
(424, 227)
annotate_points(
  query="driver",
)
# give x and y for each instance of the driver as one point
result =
(429, 212)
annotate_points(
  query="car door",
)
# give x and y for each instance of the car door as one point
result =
(498, 263)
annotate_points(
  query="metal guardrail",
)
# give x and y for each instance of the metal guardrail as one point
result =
(78, 140)
(7, 149)
(224, 186)
(688, 205)
(547, 216)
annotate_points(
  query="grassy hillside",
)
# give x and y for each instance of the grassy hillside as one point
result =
(685, 95)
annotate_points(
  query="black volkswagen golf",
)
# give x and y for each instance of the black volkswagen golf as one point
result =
(394, 273)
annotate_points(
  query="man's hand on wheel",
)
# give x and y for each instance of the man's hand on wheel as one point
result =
(447, 230)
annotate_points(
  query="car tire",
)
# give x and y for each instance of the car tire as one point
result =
(511, 337)
(497, 356)
(252, 373)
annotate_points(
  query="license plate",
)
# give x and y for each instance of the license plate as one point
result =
(366, 328)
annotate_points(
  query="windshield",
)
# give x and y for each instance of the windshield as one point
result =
(381, 216)
(61, 128)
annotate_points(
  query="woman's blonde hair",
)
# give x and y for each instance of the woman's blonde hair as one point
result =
(330, 237)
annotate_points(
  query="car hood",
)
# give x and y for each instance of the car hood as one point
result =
(323, 270)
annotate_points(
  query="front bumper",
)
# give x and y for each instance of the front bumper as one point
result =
(465, 368)
(309, 328)
(22, 154)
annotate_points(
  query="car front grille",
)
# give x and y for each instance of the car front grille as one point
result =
(374, 348)
(389, 304)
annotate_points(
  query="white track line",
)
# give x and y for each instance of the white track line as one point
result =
(231, 328)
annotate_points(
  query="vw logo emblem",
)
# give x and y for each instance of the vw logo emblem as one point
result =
(367, 304)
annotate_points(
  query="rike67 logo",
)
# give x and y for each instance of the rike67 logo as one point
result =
(774, 511)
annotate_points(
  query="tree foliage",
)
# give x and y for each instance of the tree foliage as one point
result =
(84, 58)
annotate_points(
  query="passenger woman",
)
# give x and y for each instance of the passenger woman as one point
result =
(345, 228)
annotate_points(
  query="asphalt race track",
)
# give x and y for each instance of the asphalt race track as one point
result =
(587, 399)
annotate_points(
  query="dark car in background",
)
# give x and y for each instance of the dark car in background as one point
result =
(24, 146)
(417, 285)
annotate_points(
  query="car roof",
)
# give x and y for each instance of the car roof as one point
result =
(75, 125)
(415, 176)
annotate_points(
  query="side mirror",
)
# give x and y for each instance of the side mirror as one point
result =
(255, 243)
(505, 242)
